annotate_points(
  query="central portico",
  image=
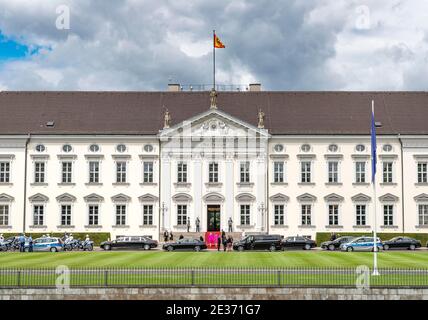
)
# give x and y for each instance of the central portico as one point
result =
(213, 168)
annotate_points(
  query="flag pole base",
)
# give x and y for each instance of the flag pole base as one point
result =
(375, 272)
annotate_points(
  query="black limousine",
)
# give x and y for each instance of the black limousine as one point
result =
(185, 245)
(130, 242)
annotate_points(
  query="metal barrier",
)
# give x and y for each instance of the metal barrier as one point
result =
(212, 277)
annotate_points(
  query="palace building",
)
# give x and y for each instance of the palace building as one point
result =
(137, 163)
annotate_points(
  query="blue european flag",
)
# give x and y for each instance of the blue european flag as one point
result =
(373, 138)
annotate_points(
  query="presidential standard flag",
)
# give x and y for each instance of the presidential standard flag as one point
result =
(217, 43)
(373, 138)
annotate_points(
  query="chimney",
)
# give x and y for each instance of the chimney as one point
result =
(174, 87)
(255, 87)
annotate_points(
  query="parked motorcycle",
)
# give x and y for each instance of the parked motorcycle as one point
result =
(72, 245)
(86, 245)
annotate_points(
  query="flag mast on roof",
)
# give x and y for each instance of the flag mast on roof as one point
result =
(217, 44)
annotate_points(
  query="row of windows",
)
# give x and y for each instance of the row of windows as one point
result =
(93, 148)
(360, 215)
(94, 172)
(333, 172)
(245, 215)
(332, 147)
(93, 215)
(213, 172)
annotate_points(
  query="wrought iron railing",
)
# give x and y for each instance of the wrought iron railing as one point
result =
(212, 277)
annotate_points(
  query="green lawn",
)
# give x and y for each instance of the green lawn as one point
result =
(397, 259)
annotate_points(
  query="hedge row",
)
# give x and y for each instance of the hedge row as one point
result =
(325, 236)
(97, 237)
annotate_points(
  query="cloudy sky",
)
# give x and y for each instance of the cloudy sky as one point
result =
(143, 45)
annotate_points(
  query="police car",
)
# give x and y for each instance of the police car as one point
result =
(47, 244)
(361, 244)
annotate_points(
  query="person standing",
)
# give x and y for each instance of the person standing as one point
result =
(224, 243)
(218, 243)
(21, 243)
(30, 243)
(165, 236)
(171, 236)
(188, 224)
(197, 223)
(230, 224)
(229, 243)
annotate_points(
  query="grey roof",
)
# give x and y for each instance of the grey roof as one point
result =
(142, 112)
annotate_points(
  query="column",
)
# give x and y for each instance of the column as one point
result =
(229, 197)
(197, 196)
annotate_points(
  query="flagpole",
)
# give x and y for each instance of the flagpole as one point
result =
(213, 59)
(375, 248)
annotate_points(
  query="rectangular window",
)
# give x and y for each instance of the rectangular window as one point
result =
(148, 215)
(213, 172)
(94, 172)
(4, 215)
(388, 215)
(278, 172)
(148, 172)
(245, 214)
(306, 172)
(423, 214)
(66, 215)
(120, 215)
(360, 172)
(181, 214)
(387, 172)
(182, 172)
(93, 214)
(306, 214)
(245, 171)
(360, 211)
(38, 215)
(333, 172)
(422, 172)
(333, 215)
(279, 214)
(39, 172)
(4, 172)
(121, 172)
(67, 168)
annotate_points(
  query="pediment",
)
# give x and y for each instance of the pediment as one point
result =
(93, 197)
(361, 197)
(423, 197)
(6, 198)
(148, 198)
(245, 197)
(121, 198)
(306, 197)
(388, 197)
(213, 197)
(212, 123)
(279, 197)
(182, 197)
(333, 197)
(66, 197)
(38, 197)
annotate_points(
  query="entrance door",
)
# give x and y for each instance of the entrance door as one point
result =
(213, 215)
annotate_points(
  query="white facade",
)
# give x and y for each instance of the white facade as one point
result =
(211, 163)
